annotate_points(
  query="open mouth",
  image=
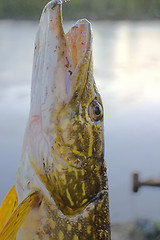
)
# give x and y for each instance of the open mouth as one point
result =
(61, 60)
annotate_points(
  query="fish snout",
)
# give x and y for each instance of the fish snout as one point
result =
(61, 64)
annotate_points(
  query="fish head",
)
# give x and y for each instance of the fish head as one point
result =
(65, 128)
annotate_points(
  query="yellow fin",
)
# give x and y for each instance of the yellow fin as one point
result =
(8, 205)
(15, 221)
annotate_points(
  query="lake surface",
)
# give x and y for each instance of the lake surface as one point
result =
(127, 72)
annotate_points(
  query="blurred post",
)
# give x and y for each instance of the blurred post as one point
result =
(137, 183)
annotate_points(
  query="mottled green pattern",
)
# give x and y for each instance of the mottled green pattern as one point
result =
(79, 190)
(79, 142)
(92, 223)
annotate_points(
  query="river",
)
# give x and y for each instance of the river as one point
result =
(127, 72)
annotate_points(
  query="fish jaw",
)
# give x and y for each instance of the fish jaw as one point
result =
(49, 75)
(60, 60)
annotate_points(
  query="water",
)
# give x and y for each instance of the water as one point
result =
(126, 63)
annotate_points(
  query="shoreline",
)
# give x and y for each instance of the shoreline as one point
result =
(141, 229)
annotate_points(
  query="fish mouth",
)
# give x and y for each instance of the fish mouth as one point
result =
(60, 71)
(61, 61)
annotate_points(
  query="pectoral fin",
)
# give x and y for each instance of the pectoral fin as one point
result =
(16, 219)
(8, 205)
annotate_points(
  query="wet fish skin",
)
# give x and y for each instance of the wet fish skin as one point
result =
(63, 151)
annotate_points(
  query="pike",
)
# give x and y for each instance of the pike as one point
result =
(61, 189)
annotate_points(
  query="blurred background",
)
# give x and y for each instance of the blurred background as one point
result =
(93, 9)
(127, 71)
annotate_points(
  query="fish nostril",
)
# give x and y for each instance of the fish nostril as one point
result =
(75, 96)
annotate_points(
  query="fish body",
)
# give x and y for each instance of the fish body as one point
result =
(61, 182)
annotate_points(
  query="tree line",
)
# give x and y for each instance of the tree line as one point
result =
(91, 9)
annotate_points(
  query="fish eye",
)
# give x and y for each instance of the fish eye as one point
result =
(95, 110)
